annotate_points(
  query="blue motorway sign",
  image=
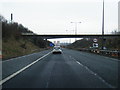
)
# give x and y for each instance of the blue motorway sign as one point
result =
(51, 44)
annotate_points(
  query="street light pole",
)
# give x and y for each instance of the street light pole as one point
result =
(75, 27)
(103, 20)
(103, 28)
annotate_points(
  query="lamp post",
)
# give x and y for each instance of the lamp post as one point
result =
(103, 40)
(75, 27)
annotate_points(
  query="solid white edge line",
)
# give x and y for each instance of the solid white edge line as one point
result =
(19, 71)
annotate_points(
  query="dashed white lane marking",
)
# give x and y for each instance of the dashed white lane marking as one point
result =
(79, 63)
(92, 72)
(16, 73)
(95, 74)
(48, 80)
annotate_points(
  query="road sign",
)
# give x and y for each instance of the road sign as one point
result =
(95, 45)
(95, 40)
(51, 44)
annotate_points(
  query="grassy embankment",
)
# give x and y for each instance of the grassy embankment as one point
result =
(14, 45)
(13, 48)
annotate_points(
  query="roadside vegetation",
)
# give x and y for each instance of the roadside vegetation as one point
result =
(87, 43)
(14, 44)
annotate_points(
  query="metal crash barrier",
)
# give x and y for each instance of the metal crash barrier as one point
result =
(112, 53)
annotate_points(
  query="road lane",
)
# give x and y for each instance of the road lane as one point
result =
(12, 65)
(59, 71)
(22, 69)
(105, 67)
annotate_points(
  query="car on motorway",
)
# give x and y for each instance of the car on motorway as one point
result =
(57, 50)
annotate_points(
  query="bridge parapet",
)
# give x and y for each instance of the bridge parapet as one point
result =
(50, 36)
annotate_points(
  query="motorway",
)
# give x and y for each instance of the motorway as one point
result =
(71, 69)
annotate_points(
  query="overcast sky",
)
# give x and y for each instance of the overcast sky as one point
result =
(54, 16)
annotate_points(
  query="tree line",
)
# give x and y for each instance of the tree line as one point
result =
(14, 30)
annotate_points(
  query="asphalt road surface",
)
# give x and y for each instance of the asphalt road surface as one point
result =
(71, 69)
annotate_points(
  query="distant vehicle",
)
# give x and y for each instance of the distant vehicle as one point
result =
(57, 50)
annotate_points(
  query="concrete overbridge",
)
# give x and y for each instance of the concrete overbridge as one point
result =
(52, 36)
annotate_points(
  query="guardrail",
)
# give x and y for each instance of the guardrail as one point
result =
(111, 53)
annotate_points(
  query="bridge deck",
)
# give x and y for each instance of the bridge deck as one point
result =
(48, 36)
